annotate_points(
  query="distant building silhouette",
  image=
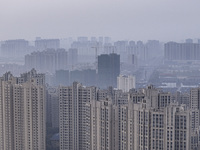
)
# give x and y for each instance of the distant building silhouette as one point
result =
(108, 70)
(72, 57)
(43, 44)
(188, 41)
(52, 107)
(182, 51)
(62, 77)
(87, 77)
(15, 48)
(49, 60)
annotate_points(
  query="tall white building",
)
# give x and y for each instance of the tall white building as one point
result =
(73, 113)
(110, 119)
(163, 129)
(22, 113)
(139, 126)
(108, 125)
(102, 125)
(125, 83)
(195, 98)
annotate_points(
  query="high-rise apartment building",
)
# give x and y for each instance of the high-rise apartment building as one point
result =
(102, 129)
(182, 98)
(125, 83)
(139, 126)
(49, 60)
(182, 51)
(153, 49)
(43, 44)
(72, 57)
(74, 116)
(15, 48)
(195, 106)
(86, 49)
(86, 76)
(195, 98)
(120, 48)
(164, 129)
(146, 119)
(157, 98)
(22, 112)
(108, 70)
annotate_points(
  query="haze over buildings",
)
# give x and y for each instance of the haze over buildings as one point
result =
(144, 119)
(113, 75)
(98, 113)
(130, 19)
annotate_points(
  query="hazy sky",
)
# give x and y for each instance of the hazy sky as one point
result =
(120, 19)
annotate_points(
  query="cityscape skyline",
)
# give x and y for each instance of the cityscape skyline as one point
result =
(99, 94)
(99, 75)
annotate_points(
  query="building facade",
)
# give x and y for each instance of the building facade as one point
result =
(22, 111)
(108, 70)
(125, 83)
(48, 60)
(73, 114)
(145, 119)
(182, 51)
